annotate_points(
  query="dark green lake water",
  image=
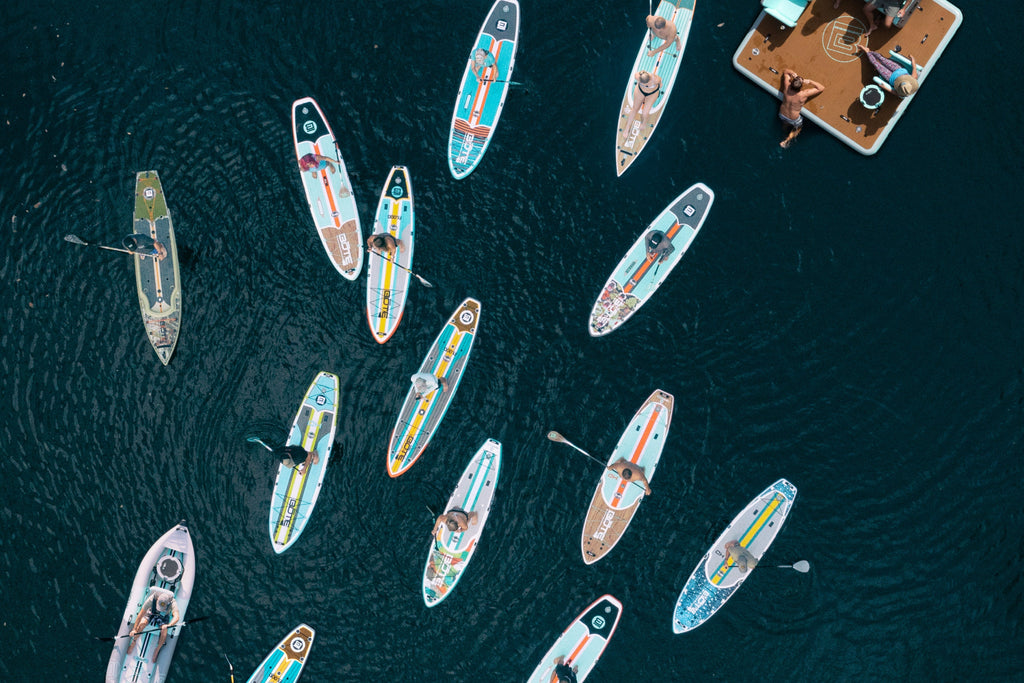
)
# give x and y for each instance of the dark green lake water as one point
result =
(850, 323)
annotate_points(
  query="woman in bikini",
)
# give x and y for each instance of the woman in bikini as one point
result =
(645, 92)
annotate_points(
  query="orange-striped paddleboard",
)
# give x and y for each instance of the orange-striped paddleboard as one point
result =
(580, 646)
(616, 500)
(639, 274)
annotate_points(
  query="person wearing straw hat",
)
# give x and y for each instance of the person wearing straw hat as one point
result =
(631, 473)
(159, 610)
(902, 81)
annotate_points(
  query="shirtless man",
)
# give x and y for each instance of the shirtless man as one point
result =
(631, 473)
(793, 100)
(664, 29)
(645, 92)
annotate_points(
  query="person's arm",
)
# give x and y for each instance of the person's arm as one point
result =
(913, 66)
(816, 88)
(787, 78)
(175, 615)
(664, 46)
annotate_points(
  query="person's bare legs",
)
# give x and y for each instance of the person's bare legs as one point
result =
(160, 644)
(869, 12)
(789, 138)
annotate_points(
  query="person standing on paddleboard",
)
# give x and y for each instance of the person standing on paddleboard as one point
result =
(455, 520)
(481, 60)
(658, 245)
(383, 243)
(296, 457)
(563, 673)
(316, 163)
(741, 556)
(144, 245)
(425, 384)
(666, 30)
(632, 473)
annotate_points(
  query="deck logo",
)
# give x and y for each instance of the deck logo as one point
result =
(839, 37)
(605, 525)
(321, 400)
(297, 645)
(397, 192)
(501, 25)
(385, 305)
(597, 622)
(466, 317)
(689, 210)
(149, 193)
(309, 127)
(467, 147)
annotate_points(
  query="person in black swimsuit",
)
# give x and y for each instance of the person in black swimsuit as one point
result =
(645, 92)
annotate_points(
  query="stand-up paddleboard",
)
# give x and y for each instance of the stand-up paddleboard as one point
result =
(638, 275)
(419, 417)
(329, 193)
(616, 500)
(718, 576)
(295, 493)
(482, 95)
(665, 64)
(158, 281)
(582, 643)
(387, 281)
(169, 566)
(450, 551)
(287, 659)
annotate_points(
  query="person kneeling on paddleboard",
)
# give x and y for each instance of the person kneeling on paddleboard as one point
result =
(316, 163)
(631, 473)
(296, 457)
(658, 244)
(159, 610)
(563, 673)
(741, 556)
(455, 520)
(144, 245)
(425, 384)
(383, 243)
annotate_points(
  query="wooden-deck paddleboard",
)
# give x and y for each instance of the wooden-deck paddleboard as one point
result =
(617, 500)
(169, 565)
(629, 144)
(583, 642)
(638, 276)
(717, 576)
(387, 281)
(284, 664)
(157, 281)
(450, 551)
(481, 98)
(295, 494)
(328, 193)
(419, 417)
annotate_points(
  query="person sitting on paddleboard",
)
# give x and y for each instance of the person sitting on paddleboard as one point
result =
(740, 555)
(658, 244)
(666, 30)
(425, 384)
(383, 243)
(645, 92)
(159, 610)
(315, 163)
(144, 245)
(296, 457)
(563, 673)
(631, 472)
(481, 60)
(455, 520)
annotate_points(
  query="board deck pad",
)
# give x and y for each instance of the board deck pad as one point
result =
(717, 576)
(419, 417)
(582, 643)
(285, 662)
(629, 144)
(329, 194)
(616, 500)
(158, 282)
(638, 276)
(295, 494)
(169, 565)
(481, 99)
(451, 551)
(387, 281)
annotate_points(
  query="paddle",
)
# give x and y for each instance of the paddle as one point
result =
(151, 630)
(231, 668)
(75, 239)
(555, 436)
(802, 566)
(418, 277)
(256, 439)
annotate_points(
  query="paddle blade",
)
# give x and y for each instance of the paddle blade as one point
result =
(555, 436)
(75, 239)
(803, 566)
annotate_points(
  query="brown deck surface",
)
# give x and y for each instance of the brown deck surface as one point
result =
(821, 47)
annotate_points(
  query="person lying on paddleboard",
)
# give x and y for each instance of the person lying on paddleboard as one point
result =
(316, 163)
(296, 457)
(563, 673)
(631, 472)
(144, 245)
(666, 30)
(455, 520)
(645, 92)
(658, 245)
(383, 243)
(741, 556)
(159, 610)
(425, 384)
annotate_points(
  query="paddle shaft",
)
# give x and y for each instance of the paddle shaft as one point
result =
(75, 239)
(418, 277)
(555, 436)
(155, 630)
